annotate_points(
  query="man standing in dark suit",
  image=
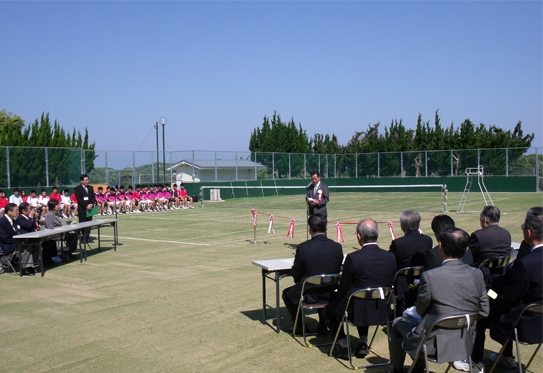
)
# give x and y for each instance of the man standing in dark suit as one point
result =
(520, 286)
(319, 255)
(365, 268)
(450, 290)
(410, 251)
(84, 193)
(490, 241)
(317, 196)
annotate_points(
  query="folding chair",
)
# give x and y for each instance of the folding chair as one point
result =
(6, 259)
(449, 322)
(367, 294)
(318, 280)
(535, 308)
(496, 262)
(407, 271)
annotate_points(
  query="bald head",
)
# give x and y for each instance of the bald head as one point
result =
(368, 231)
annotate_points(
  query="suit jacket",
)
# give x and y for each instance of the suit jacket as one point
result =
(452, 289)
(433, 259)
(519, 287)
(489, 242)
(321, 193)
(410, 251)
(7, 231)
(317, 256)
(524, 249)
(80, 194)
(368, 267)
(26, 224)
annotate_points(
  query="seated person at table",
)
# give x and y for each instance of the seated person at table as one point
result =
(452, 289)
(521, 285)
(8, 229)
(433, 259)
(410, 251)
(368, 267)
(319, 255)
(52, 220)
(28, 222)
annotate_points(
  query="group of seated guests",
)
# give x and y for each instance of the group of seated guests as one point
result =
(451, 284)
(24, 218)
(68, 202)
(116, 200)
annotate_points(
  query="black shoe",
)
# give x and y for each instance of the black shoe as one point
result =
(341, 353)
(298, 331)
(322, 329)
(31, 270)
(26, 272)
(361, 351)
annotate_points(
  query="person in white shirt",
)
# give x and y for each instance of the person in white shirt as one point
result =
(66, 204)
(43, 200)
(15, 197)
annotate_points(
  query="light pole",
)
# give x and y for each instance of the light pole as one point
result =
(157, 156)
(163, 121)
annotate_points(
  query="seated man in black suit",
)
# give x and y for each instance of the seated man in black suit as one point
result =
(521, 285)
(433, 259)
(365, 268)
(490, 241)
(319, 255)
(27, 222)
(410, 251)
(452, 289)
(8, 229)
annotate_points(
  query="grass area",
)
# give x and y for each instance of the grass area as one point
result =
(181, 294)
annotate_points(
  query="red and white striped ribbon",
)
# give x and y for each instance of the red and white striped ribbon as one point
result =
(390, 225)
(253, 218)
(339, 232)
(270, 228)
(291, 229)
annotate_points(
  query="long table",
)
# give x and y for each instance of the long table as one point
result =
(81, 228)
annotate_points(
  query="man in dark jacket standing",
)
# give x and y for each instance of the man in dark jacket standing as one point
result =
(319, 255)
(317, 196)
(84, 193)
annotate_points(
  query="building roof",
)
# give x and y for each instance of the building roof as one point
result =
(203, 164)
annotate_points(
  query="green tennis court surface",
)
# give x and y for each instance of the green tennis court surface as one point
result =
(181, 294)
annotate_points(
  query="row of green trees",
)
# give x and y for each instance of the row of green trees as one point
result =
(278, 136)
(27, 164)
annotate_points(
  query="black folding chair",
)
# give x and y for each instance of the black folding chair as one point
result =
(367, 294)
(449, 322)
(407, 271)
(535, 308)
(496, 262)
(315, 281)
(6, 260)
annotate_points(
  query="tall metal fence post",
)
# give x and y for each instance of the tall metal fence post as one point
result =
(335, 167)
(236, 154)
(153, 167)
(327, 168)
(401, 164)
(537, 176)
(452, 169)
(319, 164)
(378, 165)
(273, 165)
(305, 167)
(193, 167)
(7, 167)
(289, 166)
(82, 161)
(107, 172)
(171, 168)
(46, 168)
(478, 158)
(215, 166)
(426, 161)
(356, 164)
(134, 173)
(507, 162)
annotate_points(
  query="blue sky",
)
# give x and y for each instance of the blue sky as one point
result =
(214, 69)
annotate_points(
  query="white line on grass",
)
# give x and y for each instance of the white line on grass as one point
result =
(145, 239)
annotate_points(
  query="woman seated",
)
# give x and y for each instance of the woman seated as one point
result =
(52, 220)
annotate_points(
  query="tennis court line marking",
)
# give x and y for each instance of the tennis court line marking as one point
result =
(146, 239)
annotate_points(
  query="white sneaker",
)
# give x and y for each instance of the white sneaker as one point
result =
(191, 207)
(508, 362)
(463, 365)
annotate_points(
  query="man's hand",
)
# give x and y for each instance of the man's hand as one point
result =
(89, 207)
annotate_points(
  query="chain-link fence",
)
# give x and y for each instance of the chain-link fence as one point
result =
(44, 167)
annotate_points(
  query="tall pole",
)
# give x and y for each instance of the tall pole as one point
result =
(157, 155)
(163, 122)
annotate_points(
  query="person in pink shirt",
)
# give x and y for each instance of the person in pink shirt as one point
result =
(151, 196)
(185, 197)
(111, 196)
(100, 200)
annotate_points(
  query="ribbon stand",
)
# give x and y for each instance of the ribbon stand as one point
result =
(253, 223)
